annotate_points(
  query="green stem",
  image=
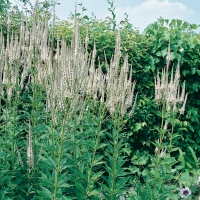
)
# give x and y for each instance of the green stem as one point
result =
(115, 153)
(162, 124)
(92, 161)
(52, 138)
(173, 124)
(34, 108)
(27, 196)
(157, 173)
(60, 154)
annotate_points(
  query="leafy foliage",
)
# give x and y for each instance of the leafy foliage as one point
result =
(101, 156)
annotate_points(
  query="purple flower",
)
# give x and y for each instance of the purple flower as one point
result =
(185, 192)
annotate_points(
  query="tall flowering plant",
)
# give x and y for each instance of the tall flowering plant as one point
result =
(161, 176)
(169, 97)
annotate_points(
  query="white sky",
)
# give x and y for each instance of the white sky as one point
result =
(141, 12)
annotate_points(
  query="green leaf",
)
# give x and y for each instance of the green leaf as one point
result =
(193, 26)
(137, 127)
(185, 72)
(119, 164)
(47, 193)
(153, 67)
(184, 26)
(164, 52)
(193, 70)
(158, 53)
(4, 178)
(98, 161)
(94, 192)
(86, 17)
(181, 158)
(193, 155)
(49, 162)
(104, 187)
(80, 187)
(166, 21)
(96, 176)
(189, 165)
(65, 185)
(195, 86)
(45, 180)
(179, 22)
(120, 184)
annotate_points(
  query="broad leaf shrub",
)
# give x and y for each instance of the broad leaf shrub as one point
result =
(184, 45)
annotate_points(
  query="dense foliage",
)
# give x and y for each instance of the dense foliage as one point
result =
(81, 149)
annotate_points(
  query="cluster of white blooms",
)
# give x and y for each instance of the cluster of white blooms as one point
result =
(68, 72)
(119, 86)
(71, 76)
(168, 91)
